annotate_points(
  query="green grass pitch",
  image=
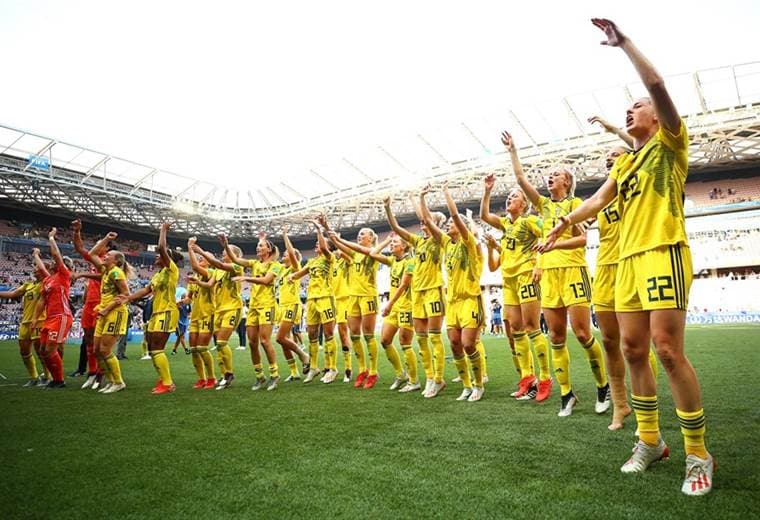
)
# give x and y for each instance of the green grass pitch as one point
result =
(330, 451)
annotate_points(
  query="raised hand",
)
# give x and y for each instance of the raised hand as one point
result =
(427, 188)
(615, 36)
(507, 141)
(490, 240)
(387, 201)
(223, 239)
(445, 186)
(36, 251)
(322, 219)
(111, 235)
(166, 226)
(191, 242)
(608, 127)
(51, 234)
(76, 225)
(262, 235)
(285, 229)
(489, 181)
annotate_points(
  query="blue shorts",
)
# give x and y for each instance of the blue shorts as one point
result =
(496, 321)
(181, 329)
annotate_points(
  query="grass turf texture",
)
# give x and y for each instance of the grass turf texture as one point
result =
(332, 451)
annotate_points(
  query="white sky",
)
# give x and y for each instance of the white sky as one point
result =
(270, 89)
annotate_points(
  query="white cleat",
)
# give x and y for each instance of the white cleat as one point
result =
(105, 389)
(273, 383)
(465, 395)
(292, 377)
(436, 389)
(330, 376)
(116, 387)
(699, 475)
(311, 375)
(568, 403)
(241, 347)
(429, 383)
(146, 357)
(398, 382)
(457, 379)
(477, 394)
(644, 455)
(95, 384)
(90, 381)
(409, 387)
(485, 379)
(602, 399)
(259, 384)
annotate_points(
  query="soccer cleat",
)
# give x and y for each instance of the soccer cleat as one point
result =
(466, 393)
(311, 375)
(477, 394)
(370, 381)
(699, 475)
(428, 387)
(347, 377)
(436, 389)
(31, 383)
(241, 347)
(273, 382)
(644, 455)
(306, 365)
(55, 385)
(292, 377)
(544, 390)
(201, 383)
(146, 357)
(76, 373)
(456, 379)
(105, 388)
(330, 376)
(602, 399)
(174, 352)
(116, 387)
(567, 404)
(523, 386)
(89, 382)
(259, 384)
(485, 379)
(409, 387)
(163, 389)
(98, 381)
(187, 350)
(210, 384)
(359, 383)
(530, 394)
(398, 382)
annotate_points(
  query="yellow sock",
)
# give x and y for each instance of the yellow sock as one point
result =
(542, 353)
(426, 354)
(31, 366)
(476, 362)
(693, 430)
(361, 355)
(220, 362)
(274, 370)
(516, 363)
(461, 364)
(144, 346)
(331, 357)
(45, 370)
(394, 359)
(114, 367)
(226, 352)
(439, 354)
(647, 417)
(595, 357)
(483, 357)
(561, 359)
(258, 370)
(347, 365)
(161, 362)
(411, 363)
(208, 362)
(522, 349)
(653, 363)
(372, 353)
(292, 367)
(314, 353)
(200, 369)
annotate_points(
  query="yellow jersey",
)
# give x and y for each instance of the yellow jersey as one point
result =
(650, 185)
(550, 212)
(398, 269)
(32, 292)
(202, 299)
(340, 273)
(319, 268)
(164, 286)
(290, 292)
(517, 242)
(464, 266)
(428, 256)
(262, 296)
(108, 287)
(609, 234)
(363, 278)
(227, 295)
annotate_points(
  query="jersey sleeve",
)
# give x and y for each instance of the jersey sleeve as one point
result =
(542, 200)
(445, 241)
(409, 269)
(471, 243)
(275, 268)
(117, 274)
(675, 142)
(536, 226)
(414, 240)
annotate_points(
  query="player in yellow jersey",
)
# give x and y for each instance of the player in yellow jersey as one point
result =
(201, 293)
(320, 303)
(28, 332)
(362, 303)
(397, 315)
(428, 306)
(465, 313)
(228, 303)
(165, 315)
(112, 315)
(340, 279)
(262, 306)
(654, 270)
(290, 303)
(565, 285)
(521, 290)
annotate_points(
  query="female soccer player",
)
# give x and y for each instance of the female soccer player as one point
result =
(362, 304)
(340, 280)
(28, 331)
(261, 308)
(201, 293)
(427, 295)
(397, 314)
(521, 293)
(290, 303)
(320, 303)
(465, 316)
(165, 315)
(228, 303)
(565, 288)
(58, 315)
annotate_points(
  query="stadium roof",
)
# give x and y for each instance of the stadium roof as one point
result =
(721, 107)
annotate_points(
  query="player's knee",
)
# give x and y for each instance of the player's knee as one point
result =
(557, 337)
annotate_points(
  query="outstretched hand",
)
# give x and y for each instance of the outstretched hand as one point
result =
(51, 234)
(223, 239)
(111, 235)
(76, 225)
(553, 235)
(507, 141)
(615, 36)
(489, 181)
(608, 127)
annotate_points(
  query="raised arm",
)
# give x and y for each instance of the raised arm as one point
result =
(464, 231)
(666, 111)
(382, 244)
(194, 265)
(88, 276)
(100, 245)
(612, 129)
(18, 292)
(211, 259)
(405, 235)
(239, 260)
(427, 218)
(530, 191)
(491, 219)
(267, 279)
(163, 249)
(209, 284)
(347, 246)
(76, 230)
(494, 251)
(137, 295)
(38, 263)
(289, 247)
(54, 251)
(298, 274)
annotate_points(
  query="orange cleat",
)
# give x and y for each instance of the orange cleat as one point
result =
(523, 386)
(370, 382)
(164, 389)
(360, 379)
(201, 383)
(544, 390)
(210, 384)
